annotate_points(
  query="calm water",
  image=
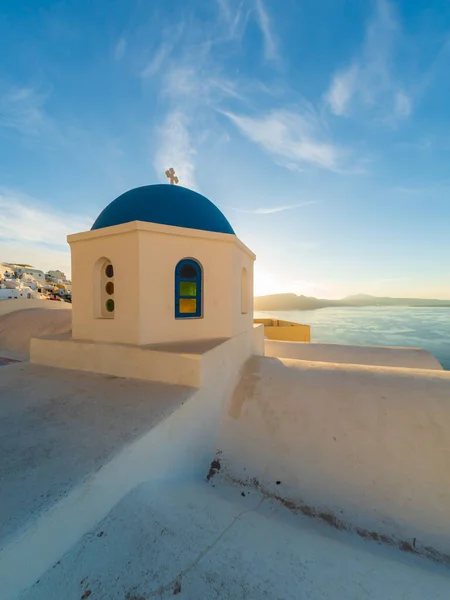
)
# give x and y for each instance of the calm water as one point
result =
(427, 328)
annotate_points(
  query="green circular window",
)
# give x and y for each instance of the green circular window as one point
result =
(110, 305)
(109, 287)
(109, 270)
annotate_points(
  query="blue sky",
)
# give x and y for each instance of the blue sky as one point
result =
(320, 128)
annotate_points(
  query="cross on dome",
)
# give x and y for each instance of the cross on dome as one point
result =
(170, 174)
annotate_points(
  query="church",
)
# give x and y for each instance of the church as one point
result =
(160, 266)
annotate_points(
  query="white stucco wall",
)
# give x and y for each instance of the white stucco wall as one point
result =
(383, 356)
(178, 447)
(7, 306)
(144, 256)
(122, 251)
(369, 444)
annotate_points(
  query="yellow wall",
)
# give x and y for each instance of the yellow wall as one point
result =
(284, 330)
(144, 256)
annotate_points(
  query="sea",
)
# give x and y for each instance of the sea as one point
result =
(427, 328)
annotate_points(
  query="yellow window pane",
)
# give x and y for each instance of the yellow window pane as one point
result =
(188, 305)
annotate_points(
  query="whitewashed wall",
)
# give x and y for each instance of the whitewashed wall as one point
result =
(369, 444)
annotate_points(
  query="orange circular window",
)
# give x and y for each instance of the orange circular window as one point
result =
(109, 287)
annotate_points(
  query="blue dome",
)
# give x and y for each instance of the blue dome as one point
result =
(165, 204)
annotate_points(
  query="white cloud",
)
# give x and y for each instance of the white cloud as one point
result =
(176, 150)
(299, 137)
(200, 86)
(234, 18)
(120, 49)
(342, 88)
(270, 45)
(369, 82)
(157, 61)
(274, 209)
(403, 105)
(35, 234)
(21, 108)
(23, 221)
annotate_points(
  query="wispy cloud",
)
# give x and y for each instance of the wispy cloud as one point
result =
(402, 104)
(120, 48)
(24, 110)
(274, 209)
(234, 16)
(25, 219)
(263, 19)
(341, 91)
(435, 187)
(34, 233)
(369, 81)
(175, 149)
(201, 86)
(157, 61)
(21, 108)
(297, 136)
(421, 144)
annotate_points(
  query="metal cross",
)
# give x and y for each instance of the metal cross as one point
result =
(170, 174)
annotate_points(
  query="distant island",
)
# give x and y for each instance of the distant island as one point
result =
(294, 302)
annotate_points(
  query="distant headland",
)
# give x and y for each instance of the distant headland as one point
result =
(294, 302)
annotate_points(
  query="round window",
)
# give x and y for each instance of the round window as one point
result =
(110, 305)
(109, 270)
(109, 287)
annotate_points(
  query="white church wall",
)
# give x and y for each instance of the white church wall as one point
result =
(160, 253)
(88, 250)
(218, 254)
(371, 445)
(144, 257)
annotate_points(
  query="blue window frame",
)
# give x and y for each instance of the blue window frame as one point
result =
(188, 289)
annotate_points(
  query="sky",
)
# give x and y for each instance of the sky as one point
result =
(321, 128)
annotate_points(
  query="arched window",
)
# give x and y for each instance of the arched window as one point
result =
(105, 305)
(188, 289)
(244, 292)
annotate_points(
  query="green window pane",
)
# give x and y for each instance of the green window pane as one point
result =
(188, 288)
(110, 305)
(188, 306)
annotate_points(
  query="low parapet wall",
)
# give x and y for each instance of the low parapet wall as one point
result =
(8, 306)
(384, 356)
(18, 327)
(368, 446)
(274, 329)
(192, 364)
